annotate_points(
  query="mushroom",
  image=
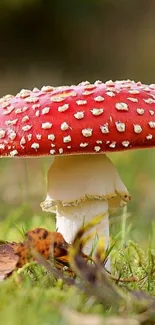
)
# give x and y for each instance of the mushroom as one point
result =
(78, 125)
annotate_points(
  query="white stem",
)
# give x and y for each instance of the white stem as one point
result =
(81, 187)
(70, 219)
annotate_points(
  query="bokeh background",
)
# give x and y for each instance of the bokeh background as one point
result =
(64, 42)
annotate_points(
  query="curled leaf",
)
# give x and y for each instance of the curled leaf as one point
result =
(8, 261)
(46, 243)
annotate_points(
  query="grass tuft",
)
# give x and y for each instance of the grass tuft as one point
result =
(33, 295)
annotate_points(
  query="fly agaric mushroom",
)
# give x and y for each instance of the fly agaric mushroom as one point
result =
(78, 125)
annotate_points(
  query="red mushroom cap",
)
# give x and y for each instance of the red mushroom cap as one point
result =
(87, 118)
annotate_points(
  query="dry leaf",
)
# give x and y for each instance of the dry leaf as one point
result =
(8, 261)
(48, 244)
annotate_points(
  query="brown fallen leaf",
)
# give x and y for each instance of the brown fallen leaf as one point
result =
(8, 261)
(51, 245)
(22, 251)
(47, 243)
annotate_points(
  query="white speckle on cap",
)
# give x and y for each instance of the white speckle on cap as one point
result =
(61, 150)
(35, 90)
(140, 111)
(24, 108)
(35, 146)
(52, 151)
(37, 113)
(13, 153)
(98, 82)
(31, 99)
(99, 141)
(2, 133)
(8, 110)
(137, 128)
(21, 110)
(125, 143)
(35, 106)
(11, 122)
(52, 145)
(47, 88)
(110, 83)
(84, 83)
(83, 144)
(45, 110)
(152, 86)
(24, 93)
(120, 126)
(112, 144)
(149, 136)
(152, 124)
(5, 104)
(145, 88)
(90, 86)
(38, 136)
(110, 93)
(134, 100)
(121, 106)
(57, 99)
(151, 112)
(22, 141)
(12, 135)
(46, 125)
(71, 94)
(79, 115)
(104, 128)
(88, 92)
(51, 137)
(25, 118)
(2, 146)
(29, 137)
(99, 99)
(81, 102)
(97, 148)
(97, 111)
(64, 126)
(87, 132)
(134, 92)
(26, 127)
(6, 97)
(63, 108)
(68, 147)
(149, 101)
(67, 139)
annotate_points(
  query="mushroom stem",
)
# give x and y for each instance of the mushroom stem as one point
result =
(81, 187)
(68, 222)
(70, 219)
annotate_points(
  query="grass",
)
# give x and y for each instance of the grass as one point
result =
(33, 296)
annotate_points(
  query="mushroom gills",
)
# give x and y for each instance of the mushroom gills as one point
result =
(81, 187)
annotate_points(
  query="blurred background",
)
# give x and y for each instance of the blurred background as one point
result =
(64, 42)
